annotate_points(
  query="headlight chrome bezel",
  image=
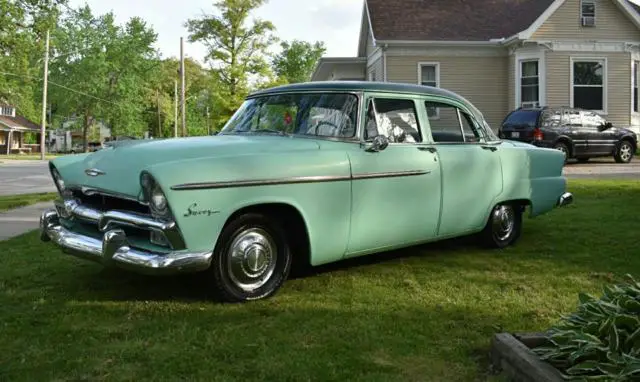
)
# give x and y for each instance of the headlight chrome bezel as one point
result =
(155, 198)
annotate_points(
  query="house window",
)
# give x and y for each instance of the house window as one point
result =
(529, 84)
(634, 90)
(589, 85)
(7, 111)
(429, 75)
(372, 75)
(588, 12)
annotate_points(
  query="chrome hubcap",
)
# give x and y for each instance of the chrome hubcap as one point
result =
(625, 152)
(252, 259)
(503, 222)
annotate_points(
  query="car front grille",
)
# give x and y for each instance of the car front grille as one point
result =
(104, 202)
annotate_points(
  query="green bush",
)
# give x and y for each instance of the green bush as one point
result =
(601, 340)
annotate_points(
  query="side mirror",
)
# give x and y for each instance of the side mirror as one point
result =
(379, 143)
(605, 126)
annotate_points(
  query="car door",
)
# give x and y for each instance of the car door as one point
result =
(471, 168)
(396, 191)
(575, 130)
(599, 141)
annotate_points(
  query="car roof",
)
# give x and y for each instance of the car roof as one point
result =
(357, 86)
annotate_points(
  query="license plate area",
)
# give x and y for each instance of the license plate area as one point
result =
(515, 134)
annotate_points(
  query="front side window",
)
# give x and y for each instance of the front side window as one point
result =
(394, 118)
(551, 118)
(591, 119)
(588, 84)
(323, 115)
(454, 125)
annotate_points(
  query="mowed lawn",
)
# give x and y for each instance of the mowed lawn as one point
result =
(421, 314)
(8, 202)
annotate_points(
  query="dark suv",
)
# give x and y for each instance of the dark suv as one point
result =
(580, 134)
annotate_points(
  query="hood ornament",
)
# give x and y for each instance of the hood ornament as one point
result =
(94, 172)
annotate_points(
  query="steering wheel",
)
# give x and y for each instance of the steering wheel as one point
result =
(332, 125)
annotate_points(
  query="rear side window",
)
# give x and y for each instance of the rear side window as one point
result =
(521, 118)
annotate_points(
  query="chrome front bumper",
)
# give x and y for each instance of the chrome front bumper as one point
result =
(114, 249)
(565, 199)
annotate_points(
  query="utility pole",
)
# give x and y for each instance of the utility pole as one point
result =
(208, 123)
(44, 96)
(175, 106)
(182, 100)
(159, 120)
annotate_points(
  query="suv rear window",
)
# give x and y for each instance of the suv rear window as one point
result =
(527, 118)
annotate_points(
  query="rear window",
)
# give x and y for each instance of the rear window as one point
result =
(522, 118)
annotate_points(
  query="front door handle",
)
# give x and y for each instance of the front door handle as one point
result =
(427, 148)
(492, 148)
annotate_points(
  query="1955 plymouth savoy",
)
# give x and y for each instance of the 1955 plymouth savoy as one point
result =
(317, 172)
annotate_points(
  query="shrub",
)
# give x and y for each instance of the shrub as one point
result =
(601, 340)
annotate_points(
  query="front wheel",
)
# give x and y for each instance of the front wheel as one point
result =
(503, 227)
(251, 260)
(624, 152)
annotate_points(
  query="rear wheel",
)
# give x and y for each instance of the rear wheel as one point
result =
(252, 259)
(624, 152)
(503, 227)
(562, 147)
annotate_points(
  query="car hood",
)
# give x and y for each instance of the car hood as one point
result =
(119, 165)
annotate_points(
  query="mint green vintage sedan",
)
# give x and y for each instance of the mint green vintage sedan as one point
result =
(317, 172)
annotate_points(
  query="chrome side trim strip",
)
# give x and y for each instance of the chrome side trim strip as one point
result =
(114, 250)
(294, 180)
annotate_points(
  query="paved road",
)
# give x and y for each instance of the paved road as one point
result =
(24, 177)
(604, 168)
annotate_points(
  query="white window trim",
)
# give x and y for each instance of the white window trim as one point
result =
(605, 80)
(542, 75)
(436, 64)
(595, 8)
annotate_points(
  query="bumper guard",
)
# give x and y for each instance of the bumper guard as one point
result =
(565, 199)
(113, 249)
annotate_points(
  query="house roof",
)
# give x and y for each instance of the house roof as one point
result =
(18, 122)
(452, 20)
(458, 20)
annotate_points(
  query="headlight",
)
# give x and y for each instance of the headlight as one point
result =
(158, 201)
(155, 197)
(57, 179)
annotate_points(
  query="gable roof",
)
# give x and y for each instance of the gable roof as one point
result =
(18, 122)
(452, 20)
(461, 20)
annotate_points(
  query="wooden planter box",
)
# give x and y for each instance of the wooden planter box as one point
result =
(511, 353)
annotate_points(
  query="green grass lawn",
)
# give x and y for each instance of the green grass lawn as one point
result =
(15, 201)
(426, 313)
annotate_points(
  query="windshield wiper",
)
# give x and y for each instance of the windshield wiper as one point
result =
(272, 131)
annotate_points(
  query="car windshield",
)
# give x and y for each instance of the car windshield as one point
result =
(321, 114)
(528, 118)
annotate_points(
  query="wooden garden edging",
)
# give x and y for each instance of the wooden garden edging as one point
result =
(512, 354)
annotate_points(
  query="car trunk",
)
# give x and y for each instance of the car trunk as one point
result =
(520, 125)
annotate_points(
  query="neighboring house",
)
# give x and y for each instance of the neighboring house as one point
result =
(13, 128)
(504, 54)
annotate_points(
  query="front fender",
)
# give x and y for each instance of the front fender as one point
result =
(204, 193)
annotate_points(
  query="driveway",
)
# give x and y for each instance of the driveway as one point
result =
(24, 177)
(605, 168)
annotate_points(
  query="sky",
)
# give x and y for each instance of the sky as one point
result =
(336, 22)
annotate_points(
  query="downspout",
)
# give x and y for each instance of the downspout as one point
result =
(384, 62)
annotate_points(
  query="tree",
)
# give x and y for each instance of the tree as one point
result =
(236, 48)
(23, 24)
(297, 60)
(106, 78)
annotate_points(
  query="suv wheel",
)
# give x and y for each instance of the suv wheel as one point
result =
(561, 146)
(624, 152)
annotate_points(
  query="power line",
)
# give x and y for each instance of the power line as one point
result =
(70, 89)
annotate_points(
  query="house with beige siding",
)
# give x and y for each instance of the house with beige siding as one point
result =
(504, 54)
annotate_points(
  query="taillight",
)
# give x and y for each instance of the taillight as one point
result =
(537, 134)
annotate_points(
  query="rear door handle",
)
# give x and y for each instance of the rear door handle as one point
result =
(492, 148)
(427, 148)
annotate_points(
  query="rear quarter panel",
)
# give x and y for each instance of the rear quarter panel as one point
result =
(534, 174)
(325, 206)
